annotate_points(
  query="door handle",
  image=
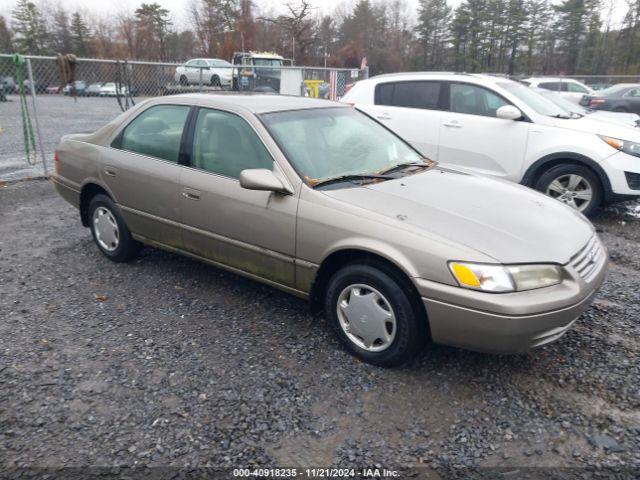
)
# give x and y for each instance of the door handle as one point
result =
(191, 195)
(453, 124)
(111, 173)
(383, 116)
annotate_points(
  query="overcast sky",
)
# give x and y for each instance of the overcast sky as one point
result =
(179, 15)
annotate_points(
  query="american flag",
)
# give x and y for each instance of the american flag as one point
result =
(333, 85)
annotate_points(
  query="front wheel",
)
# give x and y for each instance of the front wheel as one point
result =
(215, 81)
(373, 315)
(573, 185)
(183, 80)
(110, 232)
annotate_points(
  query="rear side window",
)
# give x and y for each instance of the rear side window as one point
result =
(425, 95)
(157, 132)
(226, 144)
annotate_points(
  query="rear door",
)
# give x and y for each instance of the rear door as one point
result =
(249, 230)
(412, 110)
(142, 171)
(472, 137)
(573, 91)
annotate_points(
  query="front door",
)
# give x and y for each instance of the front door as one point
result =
(472, 137)
(252, 231)
(142, 172)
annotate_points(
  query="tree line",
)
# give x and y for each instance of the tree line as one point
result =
(500, 36)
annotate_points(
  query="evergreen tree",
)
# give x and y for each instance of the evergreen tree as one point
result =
(153, 26)
(6, 42)
(571, 28)
(30, 30)
(432, 29)
(80, 35)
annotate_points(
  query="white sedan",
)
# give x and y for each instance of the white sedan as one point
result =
(208, 71)
(111, 90)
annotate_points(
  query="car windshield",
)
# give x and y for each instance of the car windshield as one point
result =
(328, 143)
(534, 100)
(562, 102)
(267, 62)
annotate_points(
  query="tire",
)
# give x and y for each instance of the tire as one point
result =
(183, 80)
(409, 333)
(559, 178)
(215, 81)
(621, 110)
(104, 216)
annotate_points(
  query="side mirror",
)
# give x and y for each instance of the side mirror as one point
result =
(261, 179)
(509, 112)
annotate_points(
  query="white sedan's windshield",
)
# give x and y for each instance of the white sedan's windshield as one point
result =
(534, 100)
(327, 143)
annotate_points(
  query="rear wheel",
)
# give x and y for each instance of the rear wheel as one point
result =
(573, 185)
(109, 230)
(621, 110)
(373, 315)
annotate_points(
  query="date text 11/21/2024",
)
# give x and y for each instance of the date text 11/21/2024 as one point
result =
(315, 473)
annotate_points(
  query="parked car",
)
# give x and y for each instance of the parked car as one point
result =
(93, 90)
(317, 199)
(53, 89)
(623, 97)
(110, 89)
(40, 87)
(79, 85)
(8, 83)
(3, 96)
(499, 127)
(628, 119)
(215, 72)
(567, 87)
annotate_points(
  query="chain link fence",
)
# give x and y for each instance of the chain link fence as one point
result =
(101, 89)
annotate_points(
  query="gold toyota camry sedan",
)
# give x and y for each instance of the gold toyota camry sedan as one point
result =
(320, 200)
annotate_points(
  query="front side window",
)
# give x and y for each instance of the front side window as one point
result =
(156, 132)
(425, 95)
(635, 92)
(226, 144)
(474, 100)
(576, 88)
(327, 143)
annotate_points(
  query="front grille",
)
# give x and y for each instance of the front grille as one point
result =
(587, 260)
(633, 180)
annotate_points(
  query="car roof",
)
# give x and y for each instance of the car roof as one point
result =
(448, 76)
(254, 102)
(551, 79)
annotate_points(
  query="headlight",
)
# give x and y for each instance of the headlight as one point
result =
(625, 146)
(505, 278)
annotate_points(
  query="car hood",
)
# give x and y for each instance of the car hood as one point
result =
(618, 117)
(505, 221)
(600, 127)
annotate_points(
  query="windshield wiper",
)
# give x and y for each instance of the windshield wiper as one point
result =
(405, 165)
(348, 178)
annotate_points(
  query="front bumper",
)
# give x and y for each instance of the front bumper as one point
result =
(511, 322)
(616, 166)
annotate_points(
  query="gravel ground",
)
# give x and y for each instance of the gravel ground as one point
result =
(169, 362)
(58, 115)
